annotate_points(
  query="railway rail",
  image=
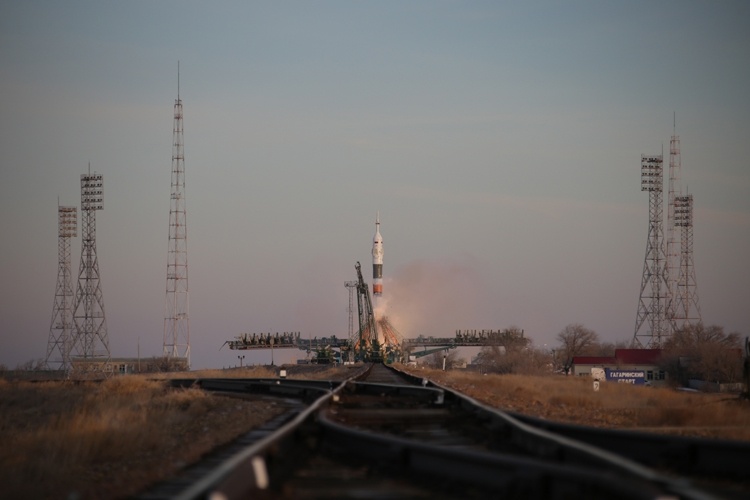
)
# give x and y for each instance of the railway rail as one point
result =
(386, 434)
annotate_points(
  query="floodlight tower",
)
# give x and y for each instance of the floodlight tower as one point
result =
(687, 311)
(90, 342)
(176, 316)
(673, 237)
(61, 325)
(652, 304)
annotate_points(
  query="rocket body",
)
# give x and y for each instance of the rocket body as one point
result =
(377, 260)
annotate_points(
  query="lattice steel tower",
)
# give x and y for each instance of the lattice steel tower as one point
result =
(653, 301)
(176, 316)
(90, 346)
(61, 325)
(673, 237)
(686, 310)
(352, 287)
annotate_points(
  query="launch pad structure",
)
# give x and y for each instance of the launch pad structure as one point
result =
(375, 340)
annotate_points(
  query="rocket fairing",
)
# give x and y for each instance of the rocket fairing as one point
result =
(377, 260)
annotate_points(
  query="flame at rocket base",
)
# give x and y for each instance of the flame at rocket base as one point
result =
(377, 260)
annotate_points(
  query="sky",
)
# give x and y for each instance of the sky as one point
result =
(500, 143)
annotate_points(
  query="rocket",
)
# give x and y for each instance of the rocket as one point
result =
(377, 259)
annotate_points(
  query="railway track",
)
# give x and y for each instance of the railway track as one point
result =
(385, 434)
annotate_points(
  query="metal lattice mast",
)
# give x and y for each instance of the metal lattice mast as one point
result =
(352, 286)
(90, 342)
(687, 310)
(61, 325)
(176, 316)
(673, 237)
(652, 304)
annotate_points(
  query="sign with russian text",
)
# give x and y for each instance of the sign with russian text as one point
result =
(636, 377)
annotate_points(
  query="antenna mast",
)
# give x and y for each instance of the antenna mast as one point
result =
(176, 316)
(673, 243)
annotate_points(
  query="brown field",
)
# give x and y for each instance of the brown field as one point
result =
(622, 406)
(112, 439)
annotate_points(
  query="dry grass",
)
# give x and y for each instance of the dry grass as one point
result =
(109, 439)
(299, 372)
(249, 372)
(572, 399)
(113, 438)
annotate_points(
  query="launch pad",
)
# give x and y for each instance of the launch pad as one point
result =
(375, 339)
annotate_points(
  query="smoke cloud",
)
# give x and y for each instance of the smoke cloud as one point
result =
(435, 298)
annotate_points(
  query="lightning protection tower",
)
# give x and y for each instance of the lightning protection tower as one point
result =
(90, 346)
(176, 316)
(653, 300)
(686, 310)
(61, 325)
(673, 237)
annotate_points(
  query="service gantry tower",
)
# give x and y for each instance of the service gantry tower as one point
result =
(654, 297)
(89, 351)
(176, 316)
(352, 287)
(61, 326)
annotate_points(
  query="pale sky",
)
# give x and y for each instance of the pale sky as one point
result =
(500, 143)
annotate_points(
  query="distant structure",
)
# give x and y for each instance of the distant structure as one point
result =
(686, 310)
(352, 287)
(367, 345)
(653, 302)
(176, 316)
(62, 326)
(90, 344)
(683, 309)
(673, 241)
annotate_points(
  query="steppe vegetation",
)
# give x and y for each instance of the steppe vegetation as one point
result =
(622, 406)
(109, 439)
(114, 438)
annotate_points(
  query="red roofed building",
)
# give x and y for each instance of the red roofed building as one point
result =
(646, 360)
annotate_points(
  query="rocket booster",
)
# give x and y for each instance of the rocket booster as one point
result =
(377, 260)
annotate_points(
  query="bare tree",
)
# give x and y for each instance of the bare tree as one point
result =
(575, 339)
(694, 335)
(706, 353)
(605, 348)
(511, 339)
(451, 360)
(527, 361)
